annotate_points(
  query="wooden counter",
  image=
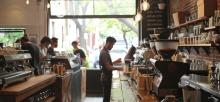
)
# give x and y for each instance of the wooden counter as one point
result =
(21, 91)
(124, 90)
(63, 88)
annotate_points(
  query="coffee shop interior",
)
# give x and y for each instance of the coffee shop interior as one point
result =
(169, 50)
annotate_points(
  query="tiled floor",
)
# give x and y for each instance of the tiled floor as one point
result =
(93, 99)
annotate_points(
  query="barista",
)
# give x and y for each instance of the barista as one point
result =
(53, 44)
(44, 44)
(34, 50)
(107, 67)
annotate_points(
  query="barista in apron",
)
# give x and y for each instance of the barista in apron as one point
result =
(107, 67)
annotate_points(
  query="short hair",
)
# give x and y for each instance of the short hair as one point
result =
(110, 40)
(24, 39)
(45, 40)
(74, 43)
(18, 40)
(54, 39)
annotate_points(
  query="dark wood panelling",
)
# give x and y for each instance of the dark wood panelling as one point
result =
(190, 6)
(218, 4)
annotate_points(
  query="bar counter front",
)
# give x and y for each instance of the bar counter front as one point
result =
(62, 80)
(200, 84)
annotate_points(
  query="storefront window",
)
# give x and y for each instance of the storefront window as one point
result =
(90, 22)
(92, 7)
(8, 36)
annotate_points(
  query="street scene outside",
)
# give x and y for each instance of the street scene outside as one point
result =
(89, 22)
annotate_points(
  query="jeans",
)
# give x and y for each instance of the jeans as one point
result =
(106, 84)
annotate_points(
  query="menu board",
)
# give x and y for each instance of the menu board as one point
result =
(153, 18)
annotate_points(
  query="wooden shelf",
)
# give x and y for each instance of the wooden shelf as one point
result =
(195, 45)
(50, 99)
(198, 47)
(190, 22)
(211, 28)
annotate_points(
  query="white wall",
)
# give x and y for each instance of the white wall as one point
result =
(33, 17)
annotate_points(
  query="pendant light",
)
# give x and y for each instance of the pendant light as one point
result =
(145, 5)
(27, 2)
(48, 5)
(138, 17)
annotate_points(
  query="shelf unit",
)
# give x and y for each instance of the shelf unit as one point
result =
(190, 22)
(50, 99)
(195, 45)
(205, 47)
(211, 28)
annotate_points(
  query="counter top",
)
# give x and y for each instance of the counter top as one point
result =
(200, 82)
(30, 84)
(21, 91)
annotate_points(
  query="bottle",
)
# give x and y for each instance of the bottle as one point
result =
(213, 74)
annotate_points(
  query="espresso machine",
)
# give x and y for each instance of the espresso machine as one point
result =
(14, 68)
(169, 71)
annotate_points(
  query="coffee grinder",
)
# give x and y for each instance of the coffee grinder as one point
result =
(169, 71)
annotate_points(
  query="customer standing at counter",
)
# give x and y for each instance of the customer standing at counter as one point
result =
(130, 54)
(107, 67)
(34, 51)
(53, 44)
(79, 51)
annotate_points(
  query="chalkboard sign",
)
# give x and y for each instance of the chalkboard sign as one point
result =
(153, 19)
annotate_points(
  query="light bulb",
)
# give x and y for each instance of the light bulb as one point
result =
(27, 2)
(138, 17)
(161, 6)
(48, 5)
(145, 5)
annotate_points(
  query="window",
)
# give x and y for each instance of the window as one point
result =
(8, 36)
(90, 22)
(92, 7)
